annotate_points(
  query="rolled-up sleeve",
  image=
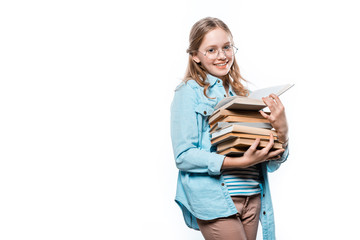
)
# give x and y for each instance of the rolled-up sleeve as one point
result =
(186, 136)
(273, 165)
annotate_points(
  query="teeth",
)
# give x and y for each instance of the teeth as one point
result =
(223, 64)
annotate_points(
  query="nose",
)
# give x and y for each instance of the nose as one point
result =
(221, 55)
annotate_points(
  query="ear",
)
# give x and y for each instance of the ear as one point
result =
(196, 59)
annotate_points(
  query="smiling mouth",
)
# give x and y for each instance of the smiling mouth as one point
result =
(222, 64)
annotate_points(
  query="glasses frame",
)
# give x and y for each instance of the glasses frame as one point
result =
(222, 50)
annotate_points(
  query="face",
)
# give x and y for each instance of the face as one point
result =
(216, 39)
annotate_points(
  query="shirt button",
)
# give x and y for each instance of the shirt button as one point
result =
(222, 184)
(264, 212)
(218, 81)
(205, 112)
(224, 95)
(264, 195)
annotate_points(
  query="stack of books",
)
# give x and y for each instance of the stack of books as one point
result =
(237, 122)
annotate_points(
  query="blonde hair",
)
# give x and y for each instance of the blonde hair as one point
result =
(195, 71)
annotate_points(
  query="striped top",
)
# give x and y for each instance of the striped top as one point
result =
(243, 182)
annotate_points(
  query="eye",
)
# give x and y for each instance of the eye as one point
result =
(227, 47)
(211, 50)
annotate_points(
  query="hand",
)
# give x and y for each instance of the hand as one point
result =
(253, 156)
(277, 117)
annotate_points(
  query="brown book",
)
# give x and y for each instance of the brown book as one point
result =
(233, 152)
(243, 119)
(222, 113)
(244, 142)
(240, 102)
(233, 135)
(242, 129)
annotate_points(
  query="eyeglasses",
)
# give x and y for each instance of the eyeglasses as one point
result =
(213, 53)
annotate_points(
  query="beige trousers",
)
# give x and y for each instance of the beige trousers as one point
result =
(242, 226)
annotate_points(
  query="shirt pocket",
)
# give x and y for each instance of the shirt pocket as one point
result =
(203, 112)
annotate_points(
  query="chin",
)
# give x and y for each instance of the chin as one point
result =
(219, 73)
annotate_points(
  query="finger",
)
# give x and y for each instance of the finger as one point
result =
(270, 144)
(275, 153)
(264, 114)
(269, 102)
(274, 158)
(255, 144)
(277, 99)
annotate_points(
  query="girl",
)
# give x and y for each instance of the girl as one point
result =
(213, 190)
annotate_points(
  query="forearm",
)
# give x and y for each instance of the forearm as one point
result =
(283, 137)
(233, 162)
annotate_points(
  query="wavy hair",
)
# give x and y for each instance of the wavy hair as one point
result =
(196, 72)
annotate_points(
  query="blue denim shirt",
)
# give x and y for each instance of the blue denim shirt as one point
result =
(201, 191)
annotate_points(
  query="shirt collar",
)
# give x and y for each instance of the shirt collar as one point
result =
(212, 79)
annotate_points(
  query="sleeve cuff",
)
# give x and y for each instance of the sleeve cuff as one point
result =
(215, 164)
(284, 156)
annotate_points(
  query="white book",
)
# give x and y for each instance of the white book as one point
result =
(253, 101)
(221, 125)
(264, 92)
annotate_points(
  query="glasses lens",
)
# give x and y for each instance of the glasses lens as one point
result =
(229, 52)
(234, 49)
(212, 54)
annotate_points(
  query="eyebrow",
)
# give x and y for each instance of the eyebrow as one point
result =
(211, 46)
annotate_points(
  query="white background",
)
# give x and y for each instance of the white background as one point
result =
(85, 94)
